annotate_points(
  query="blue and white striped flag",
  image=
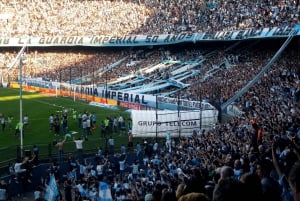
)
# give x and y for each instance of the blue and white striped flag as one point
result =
(51, 190)
(104, 192)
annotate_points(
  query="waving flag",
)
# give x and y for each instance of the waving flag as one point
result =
(51, 190)
(68, 135)
(104, 192)
(81, 190)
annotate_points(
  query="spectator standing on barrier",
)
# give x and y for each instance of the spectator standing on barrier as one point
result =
(60, 146)
(79, 148)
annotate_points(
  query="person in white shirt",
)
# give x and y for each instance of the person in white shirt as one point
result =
(168, 142)
(88, 126)
(135, 169)
(84, 129)
(79, 148)
(122, 167)
(100, 168)
(17, 168)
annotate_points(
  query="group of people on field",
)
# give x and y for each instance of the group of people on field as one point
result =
(8, 123)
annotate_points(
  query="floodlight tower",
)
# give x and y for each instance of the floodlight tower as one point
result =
(22, 60)
(19, 61)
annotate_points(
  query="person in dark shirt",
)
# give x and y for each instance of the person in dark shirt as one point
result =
(35, 151)
(68, 190)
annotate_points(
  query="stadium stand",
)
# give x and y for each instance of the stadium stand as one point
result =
(270, 105)
(69, 17)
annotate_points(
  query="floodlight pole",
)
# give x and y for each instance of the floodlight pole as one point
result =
(93, 83)
(156, 117)
(106, 86)
(81, 83)
(70, 81)
(21, 106)
(74, 92)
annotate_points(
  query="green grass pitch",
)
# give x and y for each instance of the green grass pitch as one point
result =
(39, 107)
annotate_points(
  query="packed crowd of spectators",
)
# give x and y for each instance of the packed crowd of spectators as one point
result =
(61, 65)
(53, 18)
(252, 157)
(209, 165)
(196, 164)
(77, 18)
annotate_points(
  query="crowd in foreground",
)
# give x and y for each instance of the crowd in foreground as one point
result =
(209, 165)
(231, 161)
